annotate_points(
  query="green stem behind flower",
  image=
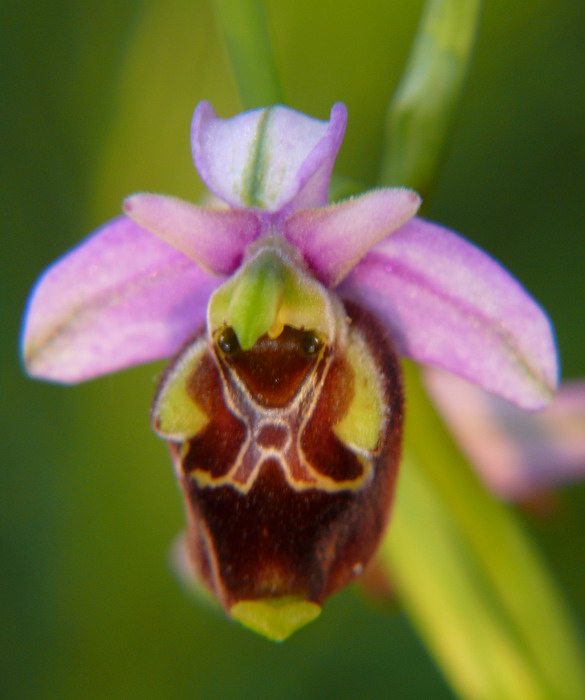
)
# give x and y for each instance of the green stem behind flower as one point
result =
(245, 29)
(469, 577)
(420, 114)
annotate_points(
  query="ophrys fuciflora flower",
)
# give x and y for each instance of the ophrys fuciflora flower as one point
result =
(283, 407)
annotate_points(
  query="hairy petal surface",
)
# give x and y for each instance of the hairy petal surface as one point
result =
(450, 305)
(274, 159)
(516, 453)
(334, 239)
(122, 297)
(215, 239)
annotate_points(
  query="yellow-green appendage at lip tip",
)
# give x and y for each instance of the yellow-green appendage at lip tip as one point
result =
(275, 618)
(266, 294)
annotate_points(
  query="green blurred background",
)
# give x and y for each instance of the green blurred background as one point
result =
(97, 101)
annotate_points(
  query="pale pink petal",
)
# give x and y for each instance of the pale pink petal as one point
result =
(516, 453)
(215, 239)
(271, 159)
(334, 239)
(122, 297)
(450, 305)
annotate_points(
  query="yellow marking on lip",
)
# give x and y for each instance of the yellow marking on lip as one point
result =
(176, 414)
(321, 483)
(361, 426)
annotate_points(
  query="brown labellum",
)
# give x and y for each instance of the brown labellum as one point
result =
(287, 454)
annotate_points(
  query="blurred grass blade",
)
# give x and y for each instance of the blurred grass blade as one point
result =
(245, 29)
(442, 592)
(469, 577)
(419, 115)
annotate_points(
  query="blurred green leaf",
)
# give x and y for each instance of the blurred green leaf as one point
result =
(420, 114)
(480, 595)
(172, 59)
(245, 30)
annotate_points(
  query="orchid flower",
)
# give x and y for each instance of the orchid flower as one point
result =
(283, 405)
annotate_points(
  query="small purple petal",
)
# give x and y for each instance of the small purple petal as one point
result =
(122, 297)
(334, 239)
(450, 305)
(215, 239)
(272, 159)
(516, 453)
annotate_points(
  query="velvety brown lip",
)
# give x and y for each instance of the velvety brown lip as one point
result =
(277, 536)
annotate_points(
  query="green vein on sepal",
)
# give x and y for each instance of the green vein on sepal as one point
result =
(255, 173)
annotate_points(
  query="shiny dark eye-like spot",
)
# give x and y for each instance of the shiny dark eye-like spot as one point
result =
(227, 341)
(311, 343)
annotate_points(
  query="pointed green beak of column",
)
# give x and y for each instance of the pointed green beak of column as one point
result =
(268, 293)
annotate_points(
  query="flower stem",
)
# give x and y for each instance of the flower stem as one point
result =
(244, 26)
(420, 114)
(470, 579)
